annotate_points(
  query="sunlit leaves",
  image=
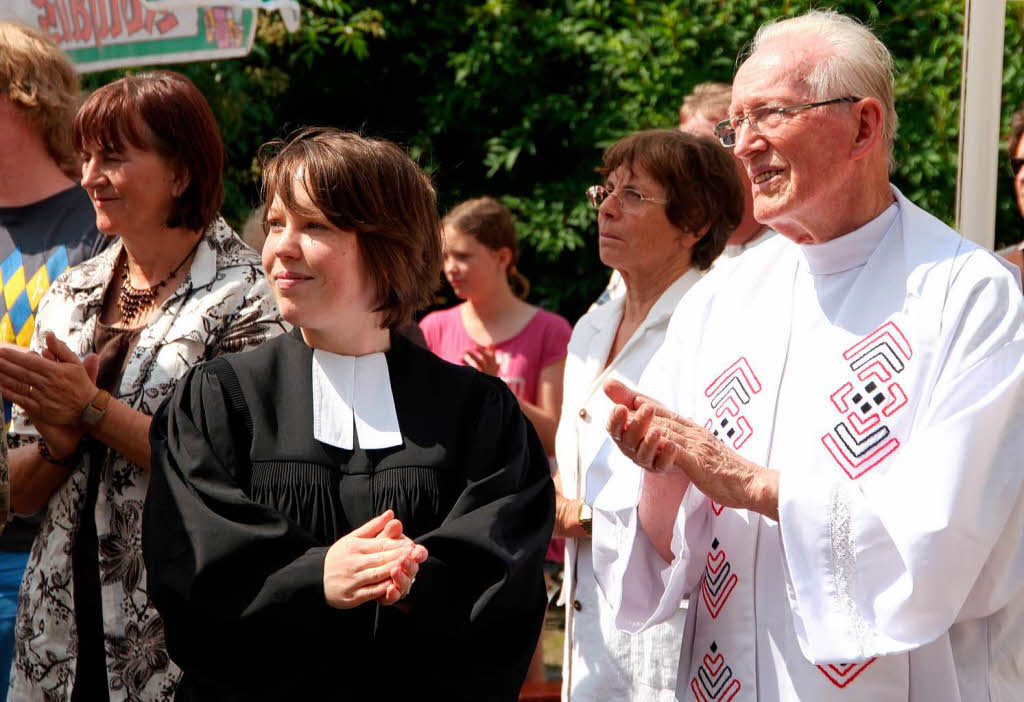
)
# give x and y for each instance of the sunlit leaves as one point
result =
(517, 99)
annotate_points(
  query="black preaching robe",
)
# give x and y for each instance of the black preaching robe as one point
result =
(244, 503)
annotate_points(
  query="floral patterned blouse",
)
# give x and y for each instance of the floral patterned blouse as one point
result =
(223, 305)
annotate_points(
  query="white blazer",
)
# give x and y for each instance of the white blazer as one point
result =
(600, 662)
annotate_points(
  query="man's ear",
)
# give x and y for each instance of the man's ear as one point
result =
(870, 127)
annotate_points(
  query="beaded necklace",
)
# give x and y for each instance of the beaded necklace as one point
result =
(132, 301)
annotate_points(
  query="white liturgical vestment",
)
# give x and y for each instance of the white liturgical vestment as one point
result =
(882, 374)
(733, 250)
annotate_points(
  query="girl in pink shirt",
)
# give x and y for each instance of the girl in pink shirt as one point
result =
(495, 330)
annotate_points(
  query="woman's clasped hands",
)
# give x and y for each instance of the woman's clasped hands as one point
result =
(375, 562)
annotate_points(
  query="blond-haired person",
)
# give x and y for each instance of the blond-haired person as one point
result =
(46, 225)
(704, 107)
(113, 335)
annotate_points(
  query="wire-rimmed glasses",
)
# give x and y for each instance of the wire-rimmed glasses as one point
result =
(630, 199)
(766, 118)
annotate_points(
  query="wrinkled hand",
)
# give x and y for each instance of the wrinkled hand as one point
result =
(483, 359)
(52, 388)
(660, 441)
(373, 562)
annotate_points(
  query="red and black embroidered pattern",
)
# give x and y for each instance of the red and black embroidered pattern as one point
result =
(861, 440)
(729, 392)
(719, 580)
(714, 681)
(842, 674)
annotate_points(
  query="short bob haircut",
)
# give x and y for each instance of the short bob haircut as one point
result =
(161, 111)
(700, 180)
(370, 187)
(38, 78)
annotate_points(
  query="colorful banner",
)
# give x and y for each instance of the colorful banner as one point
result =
(290, 11)
(102, 34)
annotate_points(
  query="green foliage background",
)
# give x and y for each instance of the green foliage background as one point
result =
(517, 99)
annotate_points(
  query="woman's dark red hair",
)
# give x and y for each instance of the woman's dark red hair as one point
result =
(161, 111)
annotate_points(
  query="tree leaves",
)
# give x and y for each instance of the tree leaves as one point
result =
(518, 99)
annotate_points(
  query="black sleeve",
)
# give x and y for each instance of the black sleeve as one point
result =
(239, 586)
(483, 582)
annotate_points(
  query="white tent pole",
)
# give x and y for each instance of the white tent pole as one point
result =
(980, 94)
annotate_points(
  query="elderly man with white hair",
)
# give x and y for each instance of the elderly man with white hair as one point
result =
(829, 442)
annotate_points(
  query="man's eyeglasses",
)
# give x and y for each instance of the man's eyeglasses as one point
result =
(1015, 165)
(630, 200)
(766, 118)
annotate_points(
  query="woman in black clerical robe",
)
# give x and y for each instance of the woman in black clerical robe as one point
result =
(339, 514)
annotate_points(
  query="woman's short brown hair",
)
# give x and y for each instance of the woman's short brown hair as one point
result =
(701, 183)
(38, 78)
(373, 188)
(161, 111)
(492, 224)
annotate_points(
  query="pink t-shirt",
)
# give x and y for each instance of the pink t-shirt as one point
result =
(520, 359)
(543, 340)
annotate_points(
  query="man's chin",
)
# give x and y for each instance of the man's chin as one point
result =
(768, 212)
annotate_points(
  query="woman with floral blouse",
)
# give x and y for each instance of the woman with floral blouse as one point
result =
(177, 288)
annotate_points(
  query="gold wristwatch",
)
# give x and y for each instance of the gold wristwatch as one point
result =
(95, 410)
(586, 518)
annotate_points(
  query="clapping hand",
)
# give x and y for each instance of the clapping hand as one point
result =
(54, 385)
(483, 359)
(51, 387)
(375, 562)
(660, 441)
(642, 428)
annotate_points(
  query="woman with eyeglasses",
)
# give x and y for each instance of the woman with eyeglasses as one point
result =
(667, 206)
(1015, 149)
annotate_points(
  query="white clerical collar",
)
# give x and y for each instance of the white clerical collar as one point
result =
(849, 250)
(352, 397)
